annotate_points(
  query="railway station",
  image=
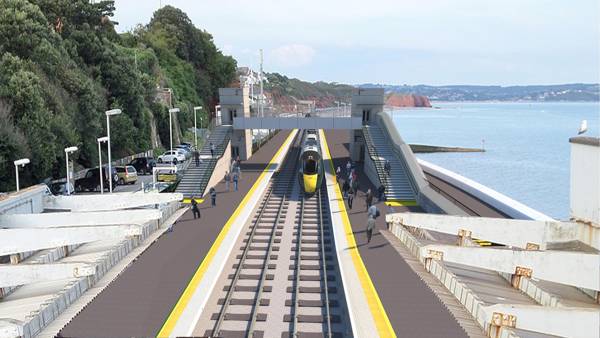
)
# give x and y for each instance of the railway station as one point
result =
(282, 252)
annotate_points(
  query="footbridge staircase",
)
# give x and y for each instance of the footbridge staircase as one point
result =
(195, 179)
(398, 185)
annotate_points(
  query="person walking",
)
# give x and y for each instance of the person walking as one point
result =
(212, 150)
(338, 171)
(373, 211)
(381, 193)
(195, 209)
(345, 188)
(350, 198)
(213, 197)
(235, 182)
(370, 227)
(239, 170)
(354, 185)
(369, 198)
(354, 175)
(227, 179)
(197, 157)
(387, 167)
(348, 167)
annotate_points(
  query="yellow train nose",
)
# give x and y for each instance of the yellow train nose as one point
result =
(310, 182)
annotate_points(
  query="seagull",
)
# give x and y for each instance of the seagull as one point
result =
(583, 127)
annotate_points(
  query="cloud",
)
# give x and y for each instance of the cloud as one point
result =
(293, 55)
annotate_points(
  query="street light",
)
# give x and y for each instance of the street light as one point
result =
(22, 162)
(171, 111)
(110, 113)
(101, 140)
(196, 128)
(67, 152)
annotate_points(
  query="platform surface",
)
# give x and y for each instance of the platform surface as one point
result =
(412, 308)
(139, 301)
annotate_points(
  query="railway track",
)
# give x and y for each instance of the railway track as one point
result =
(282, 279)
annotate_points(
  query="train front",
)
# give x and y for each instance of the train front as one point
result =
(310, 169)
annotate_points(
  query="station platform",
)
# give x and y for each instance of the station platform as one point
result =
(164, 291)
(410, 306)
(138, 302)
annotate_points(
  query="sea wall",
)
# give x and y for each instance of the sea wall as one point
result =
(497, 200)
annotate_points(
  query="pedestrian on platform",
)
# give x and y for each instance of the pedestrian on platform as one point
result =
(239, 170)
(350, 198)
(195, 209)
(354, 175)
(345, 188)
(213, 197)
(370, 227)
(369, 198)
(227, 179)
(338, 171)
(212, 150)
(387, 167)
(197, 157)
(354, 184)
(381, 193)
(373, 211)
(235, 182)
(348, 167)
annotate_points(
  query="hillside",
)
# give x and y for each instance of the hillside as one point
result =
(62, 65)
(286, 91)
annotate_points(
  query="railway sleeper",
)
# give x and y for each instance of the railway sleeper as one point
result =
(301, 334)
(256, 266)
(311, 289)
(260, 317)
(311, 257)
(252, 276)
(234, 334)
(251, 256)
(311, 267)
(312, 318)
(245, 301)
(312, 278)
(247, 288)
(312, 303)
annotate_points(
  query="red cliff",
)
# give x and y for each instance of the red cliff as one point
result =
(410, 100)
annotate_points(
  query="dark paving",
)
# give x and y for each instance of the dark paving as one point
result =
(139, 301)
(412, 308)
(463, 199)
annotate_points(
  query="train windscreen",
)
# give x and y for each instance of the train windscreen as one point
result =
(310, 166)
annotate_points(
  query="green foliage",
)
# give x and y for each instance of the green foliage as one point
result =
(63, 65)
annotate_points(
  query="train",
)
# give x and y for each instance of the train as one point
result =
(310, 174)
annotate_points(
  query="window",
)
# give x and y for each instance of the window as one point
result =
(310, 166)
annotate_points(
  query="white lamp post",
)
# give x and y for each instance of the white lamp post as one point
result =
(109, 113)
(67, 152)
(195, 127)
(171, 111)
(22, 162)
(101, 140)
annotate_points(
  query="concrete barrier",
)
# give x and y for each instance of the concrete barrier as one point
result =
(51, 309)
(497, 200)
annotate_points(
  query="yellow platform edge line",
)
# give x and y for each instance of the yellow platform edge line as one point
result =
(189, 200)
(382, 322)
(401, 203)
(185, 297)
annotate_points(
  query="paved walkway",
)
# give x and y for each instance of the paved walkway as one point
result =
(412, 308)
(138, 302)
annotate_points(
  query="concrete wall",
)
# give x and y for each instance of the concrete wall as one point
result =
(26, 201)
(367, 100)
(293, 122)
(499, 201)
(223, 165)
(585, 179)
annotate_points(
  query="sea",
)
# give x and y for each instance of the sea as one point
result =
(527, 150)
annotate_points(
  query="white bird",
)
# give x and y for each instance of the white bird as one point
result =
(583, 127)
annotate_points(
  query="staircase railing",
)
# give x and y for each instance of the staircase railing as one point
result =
(375, 157)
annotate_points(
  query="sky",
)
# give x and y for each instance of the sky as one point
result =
(435, 42)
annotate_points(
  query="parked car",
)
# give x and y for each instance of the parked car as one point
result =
(172, 156)
(60, 187)
(127, 175)
(187, 152)
(91, 180)
(143, 165)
